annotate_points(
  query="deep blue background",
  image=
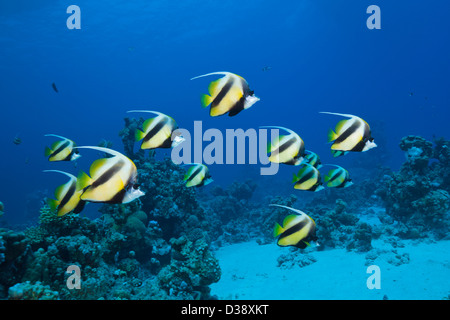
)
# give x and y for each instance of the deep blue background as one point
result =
(141, 55)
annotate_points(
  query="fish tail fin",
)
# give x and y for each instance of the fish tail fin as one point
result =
(53, 204)
(48, 151)
(139, 135)
(83, 180)
(206, 100)
(277, 230)
(332, 135)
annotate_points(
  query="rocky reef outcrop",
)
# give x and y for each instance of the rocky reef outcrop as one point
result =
(417, 197)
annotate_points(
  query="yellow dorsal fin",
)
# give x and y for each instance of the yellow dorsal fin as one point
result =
(289, 220)
(59, 192)
(96, 166)
(147, 124)
(56, 144)
(340, 125)
(213, 87)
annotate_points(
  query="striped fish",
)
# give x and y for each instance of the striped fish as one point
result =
(312, 158)
(338, 178)
(287, 149)
(67, 196)
(197, 175)
(308, 179)
(113, 180)
(351, 135)
(63, 150)
(298, 229)
(230, 94)
(157, 132)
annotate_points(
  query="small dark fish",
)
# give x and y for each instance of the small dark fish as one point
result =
(266, 68)
(54, 87)
(17, 141)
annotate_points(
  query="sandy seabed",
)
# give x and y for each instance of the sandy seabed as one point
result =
(250, 271)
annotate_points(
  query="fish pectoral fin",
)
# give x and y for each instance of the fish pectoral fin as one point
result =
(295, 178)
(206, 100)
(83, 180)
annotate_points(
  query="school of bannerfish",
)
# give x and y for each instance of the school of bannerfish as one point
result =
(115, 179)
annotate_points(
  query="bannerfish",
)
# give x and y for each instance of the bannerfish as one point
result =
(312, 158)
(308, 179)
(54, 87)
(157, 132)
(17, 140)
(63, 150)
(230, 94)
(113, 180)
(298, 230)
(337, 178)
(198, 175)
(351, 135)
(67, 196)
(287, 149)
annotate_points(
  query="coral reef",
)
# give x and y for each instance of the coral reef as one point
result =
(390, 256)
(417, 197)
(295, 258)
(161, 246)
(154, 248)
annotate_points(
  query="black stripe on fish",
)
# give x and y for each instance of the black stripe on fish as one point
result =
(108, 174)
(118, 197)
(60, 149)
(285, 145)
(295, 228)
(335, 176)
(155, 130)
(306, 177)
(80, 206)
(347, 133)
(195, 173)
(222, 93)
(68, 195)
(238, 107)
(359, 146)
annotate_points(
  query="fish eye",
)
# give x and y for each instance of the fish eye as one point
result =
(136, 186)
(251, 92)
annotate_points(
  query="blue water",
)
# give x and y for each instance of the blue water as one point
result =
(141, 55)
